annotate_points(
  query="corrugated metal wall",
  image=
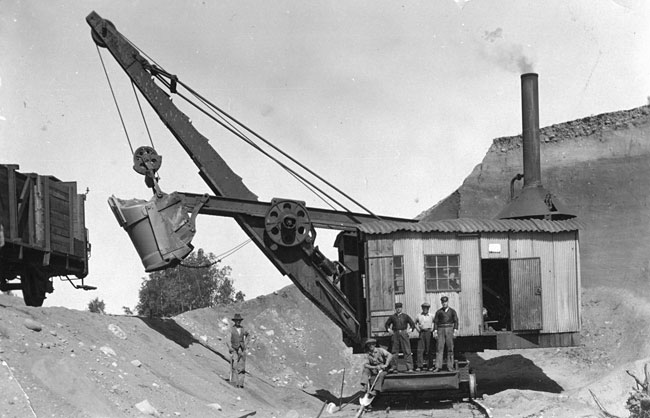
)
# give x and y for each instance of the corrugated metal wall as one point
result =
(409, 245)
(492, 238)
(467, 303)
(559, 269)
(566, 273)
(470, 305)
(557, 253)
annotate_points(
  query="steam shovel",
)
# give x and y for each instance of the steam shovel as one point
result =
(367, 399)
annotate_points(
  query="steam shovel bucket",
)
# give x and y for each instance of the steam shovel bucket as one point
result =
(161, 229)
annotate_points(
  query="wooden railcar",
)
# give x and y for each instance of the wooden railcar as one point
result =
(42, 233)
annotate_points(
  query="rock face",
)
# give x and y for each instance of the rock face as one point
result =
(599, 167)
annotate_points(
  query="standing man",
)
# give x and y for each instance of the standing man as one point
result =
(445, 325)
(398, 326)
(378, 362)
(237, 346)
(424, 325)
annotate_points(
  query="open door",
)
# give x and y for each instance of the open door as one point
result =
(526, 294)
(495, 278)
(381, 295)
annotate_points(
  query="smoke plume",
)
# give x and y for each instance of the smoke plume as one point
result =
(508, 56)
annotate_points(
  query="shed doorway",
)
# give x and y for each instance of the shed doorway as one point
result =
(495, 277)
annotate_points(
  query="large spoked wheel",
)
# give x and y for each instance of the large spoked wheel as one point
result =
(33, 287)
(472, 389)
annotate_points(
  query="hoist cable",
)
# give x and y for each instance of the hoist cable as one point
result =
(277, 149)
(114, 99)
(243, 137)
(308, 185)
(220, 257)
(249, 141)
(142, 114)
(295, 175)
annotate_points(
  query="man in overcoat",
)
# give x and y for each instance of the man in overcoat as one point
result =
(237, 345)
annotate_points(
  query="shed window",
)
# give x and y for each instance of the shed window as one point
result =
(398, 274)
(442, 272)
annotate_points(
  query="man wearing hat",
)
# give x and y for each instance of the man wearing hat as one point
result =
(237, 347)
(424, 325)
(398, 326)
(445, 325)
(378, 361)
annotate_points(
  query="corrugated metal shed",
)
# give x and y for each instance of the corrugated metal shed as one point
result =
(472, 225)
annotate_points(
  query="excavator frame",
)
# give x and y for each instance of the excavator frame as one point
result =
(283, 228)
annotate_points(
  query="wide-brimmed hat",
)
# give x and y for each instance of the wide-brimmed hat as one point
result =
(237, 317)
(444, 299)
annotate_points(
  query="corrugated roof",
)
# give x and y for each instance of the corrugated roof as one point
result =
(472, 225)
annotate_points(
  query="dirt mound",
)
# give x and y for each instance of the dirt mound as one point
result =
(82, 364)
(615, 323)
(66, 363)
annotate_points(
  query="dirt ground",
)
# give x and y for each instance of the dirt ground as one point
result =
(57, 362)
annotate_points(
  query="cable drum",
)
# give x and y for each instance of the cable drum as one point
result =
(287, 222)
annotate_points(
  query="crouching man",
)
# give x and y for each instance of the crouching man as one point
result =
(378, 363)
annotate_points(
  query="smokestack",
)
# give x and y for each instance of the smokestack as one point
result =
(530, 129)
(534, 201)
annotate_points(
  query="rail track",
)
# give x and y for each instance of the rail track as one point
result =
(403, 408)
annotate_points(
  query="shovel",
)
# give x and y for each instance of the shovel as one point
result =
(367, 399)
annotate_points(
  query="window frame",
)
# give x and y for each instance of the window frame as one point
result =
(395, 268)
(439, 267)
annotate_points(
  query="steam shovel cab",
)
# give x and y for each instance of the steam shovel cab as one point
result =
(514, 284)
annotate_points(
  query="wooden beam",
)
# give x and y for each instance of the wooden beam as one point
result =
(11, 193)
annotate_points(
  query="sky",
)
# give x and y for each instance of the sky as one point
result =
(393, 102)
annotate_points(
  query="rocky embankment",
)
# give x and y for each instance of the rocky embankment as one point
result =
(600, 167)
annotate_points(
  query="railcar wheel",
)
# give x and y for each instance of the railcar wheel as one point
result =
(33, 288)
(472, 388)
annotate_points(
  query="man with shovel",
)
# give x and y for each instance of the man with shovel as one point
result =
(237, 345)
(374, 371)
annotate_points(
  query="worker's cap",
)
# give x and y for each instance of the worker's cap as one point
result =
(237, 317)
(398, 304)
(444, 299)
(426, 305)
(371, 341)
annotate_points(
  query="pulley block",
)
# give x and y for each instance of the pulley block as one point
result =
(287, 222)
(146, 160)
